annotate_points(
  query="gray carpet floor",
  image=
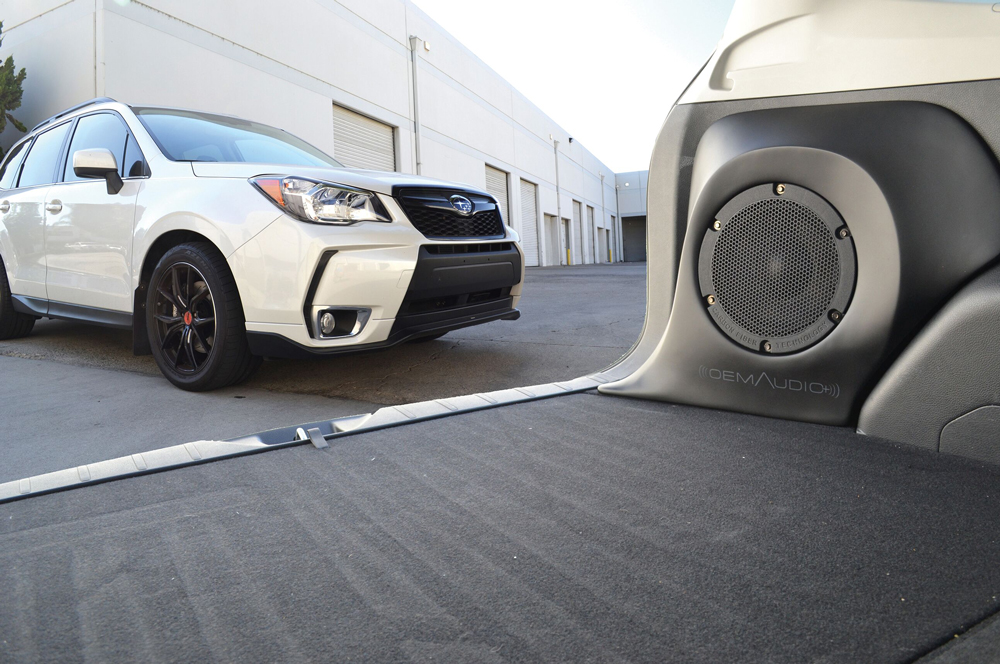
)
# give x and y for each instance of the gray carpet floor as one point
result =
(582, 528)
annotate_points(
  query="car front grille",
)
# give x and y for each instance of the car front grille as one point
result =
(430, 212)
(468, 248)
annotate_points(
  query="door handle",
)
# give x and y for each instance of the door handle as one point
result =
(5, 207)
(53, 207)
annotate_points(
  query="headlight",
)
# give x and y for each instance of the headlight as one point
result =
(321, 202)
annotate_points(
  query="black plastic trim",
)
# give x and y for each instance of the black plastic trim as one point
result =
(400, 189)
(442, 201)
(40, 307)
(441, 275)
(34, 306)
(417, 201)
(919, 189)
(307, 306)
(268, 344)
(433, 322)
(948, 372)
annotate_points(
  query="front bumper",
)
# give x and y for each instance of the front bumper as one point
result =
(412, 286)
(269, 344)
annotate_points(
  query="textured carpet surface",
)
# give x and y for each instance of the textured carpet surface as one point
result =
(582, 528)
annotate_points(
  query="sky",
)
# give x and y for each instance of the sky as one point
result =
(607, 71)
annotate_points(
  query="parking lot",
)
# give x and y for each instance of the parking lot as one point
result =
(74, 394)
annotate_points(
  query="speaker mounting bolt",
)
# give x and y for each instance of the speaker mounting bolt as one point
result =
(710, 299)
(843, 233)
(779, 189)
(716, 225)
(767, 346)
(835, 315)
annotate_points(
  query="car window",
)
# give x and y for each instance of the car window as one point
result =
(204, 153)
(265, 152)
(134, 165)
(192, 136)
(40, 164)
(102, 130)
(8, 172)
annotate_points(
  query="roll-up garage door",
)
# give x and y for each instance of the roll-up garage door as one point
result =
(496, 185)
(553, 249)
(360, 142)
(529, 223)
(577, 233)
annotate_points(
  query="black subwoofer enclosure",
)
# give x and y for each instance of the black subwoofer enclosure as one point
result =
(776, 268)
(919, 192)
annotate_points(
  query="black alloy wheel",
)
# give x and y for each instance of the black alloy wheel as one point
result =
(185, 317)
(195, 321)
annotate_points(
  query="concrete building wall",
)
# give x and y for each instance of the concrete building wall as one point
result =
(632, 193)
(207, 55)
(631, 188)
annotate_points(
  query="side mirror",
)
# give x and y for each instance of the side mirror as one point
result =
(98, 163)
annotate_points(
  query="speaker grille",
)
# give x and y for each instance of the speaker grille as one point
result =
(776, 268)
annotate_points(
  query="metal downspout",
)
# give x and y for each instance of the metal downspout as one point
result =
(414, 40)
(559, 219)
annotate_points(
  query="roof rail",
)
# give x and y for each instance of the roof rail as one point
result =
(95, 100)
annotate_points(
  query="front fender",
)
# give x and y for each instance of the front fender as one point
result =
(227, 212)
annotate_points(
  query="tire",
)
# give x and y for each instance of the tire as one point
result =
(432, 337)
(13, 324)
(195, 320)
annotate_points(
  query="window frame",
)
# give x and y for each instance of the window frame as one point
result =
(59, 158)
(27, 141)
(129, 134)
(145, 162)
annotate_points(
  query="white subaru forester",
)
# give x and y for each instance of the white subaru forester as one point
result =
(220, 241)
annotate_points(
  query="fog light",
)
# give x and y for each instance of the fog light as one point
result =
(327, 323)
(337, 322)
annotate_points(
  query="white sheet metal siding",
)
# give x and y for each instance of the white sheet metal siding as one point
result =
(360, 142)
(496, 185)
(529, 222)
(470, 116)
(577, 253)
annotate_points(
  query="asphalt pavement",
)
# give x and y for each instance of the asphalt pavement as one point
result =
(72, 394)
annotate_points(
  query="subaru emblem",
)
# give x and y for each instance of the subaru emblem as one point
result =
(462, 204)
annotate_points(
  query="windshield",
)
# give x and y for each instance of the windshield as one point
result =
(193, 136)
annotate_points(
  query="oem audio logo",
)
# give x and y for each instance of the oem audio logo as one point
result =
(762, 380)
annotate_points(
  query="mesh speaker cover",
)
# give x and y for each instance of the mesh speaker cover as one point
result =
(778, 273)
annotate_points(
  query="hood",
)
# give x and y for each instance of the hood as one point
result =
(379, 181)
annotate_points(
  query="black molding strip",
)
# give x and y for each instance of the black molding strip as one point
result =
(36, 306)
(324, 260)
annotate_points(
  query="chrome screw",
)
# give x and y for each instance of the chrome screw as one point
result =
(780, 189)
(767, 346)
(843, 233)
(710, 299)
(835, 315)
(717, 225)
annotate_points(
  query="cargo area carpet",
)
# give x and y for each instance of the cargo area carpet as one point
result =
(581, 528)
